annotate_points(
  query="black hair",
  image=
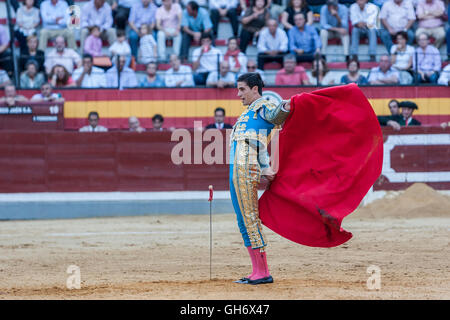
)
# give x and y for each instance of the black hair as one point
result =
(220, 109)
(206, 35)
(89, 56)
(158, 117)
(403, 34)
(93, 113)
(393, 100)
(193, 5)
(252, 79)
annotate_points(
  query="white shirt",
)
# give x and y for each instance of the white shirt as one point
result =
(96, 79)
(120, 48)
(89, 128)
(397, 16)
(184, 74)
(402, 58)
(368, 15)
(209, 60)
(146, 49)
(267, 42)
(242, 58)
(229, 4)
(67, 59)
(213, 77)
(445, 76)
(39, 96)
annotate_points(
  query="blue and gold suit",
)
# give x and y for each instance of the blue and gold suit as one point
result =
(248, 157)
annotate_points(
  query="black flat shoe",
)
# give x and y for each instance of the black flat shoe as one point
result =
(242, 280)
(268, 279)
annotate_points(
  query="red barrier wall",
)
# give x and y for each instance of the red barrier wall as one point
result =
(123, 161)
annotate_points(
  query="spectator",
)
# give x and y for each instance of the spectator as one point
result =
(428, 64)
(320, 73)
(93, 126)
(134, 125)
(147, 45)
(205, 59)
(222, 79)
(291, 74)
(234, 56)
(395, 16)
(121, 12)
(31, 78)
(272, 44)
(194, 22)
(4, 79)
(143, 12)
(54, 15)
(5, 53)
(127, 76)
(252, 67)
(67, 58)
(59, 77)
(384, 73)
(120, 48)
(353, 75)
(444, 79)
(97, 13)
(276, 8)
(430, 14)
(32, 52)
(253, 20)
(294, 7)
(219, 118)
(334, 24)
(224, 8)
(151, 79)
(178, 75)
(402, 56)
(394, 119)
(158, 122)
(27, 20)
(408, 108)
(363, 16)
(168, 23)
(11, 96)
(47, 94)
(304, 41)
(89, 76)
(93, 44)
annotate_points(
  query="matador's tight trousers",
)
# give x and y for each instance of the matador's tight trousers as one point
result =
(245, 174)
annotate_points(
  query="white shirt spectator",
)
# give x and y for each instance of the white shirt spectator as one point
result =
(267, 42)
(209, 61)
(89, 128)
(147, 47)
(120, 48)
(397, 16)
(40, 97)
(445, 76)
(96, 79)
(68, 59)
(376, 74)
(229, 4)
(183, 75)
(213, 77)
(369, 15)
(50, 13)
(402, 58)
(242, 58)
(102, 17)
(28, 19)
(127, 78)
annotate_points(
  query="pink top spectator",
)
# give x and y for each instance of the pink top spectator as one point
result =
(424, 8)
(298, 77)
(169, 19)
(93, 46)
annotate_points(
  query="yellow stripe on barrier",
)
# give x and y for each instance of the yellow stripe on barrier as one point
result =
(205, 108)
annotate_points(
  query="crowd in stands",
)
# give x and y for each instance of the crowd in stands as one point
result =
(116, 36)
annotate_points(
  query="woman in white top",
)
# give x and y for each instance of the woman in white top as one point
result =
(27, 20)
(234, 56)
(320, 71)
(402, 56)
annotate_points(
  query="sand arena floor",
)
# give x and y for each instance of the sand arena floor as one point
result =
(167, 257)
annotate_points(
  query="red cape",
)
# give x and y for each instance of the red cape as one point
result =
(330, 154)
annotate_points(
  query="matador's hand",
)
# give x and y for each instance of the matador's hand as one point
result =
(287, 105)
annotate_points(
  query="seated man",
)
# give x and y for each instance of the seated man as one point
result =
(444, 79)
(47, 94)
(89, 76)
(394, 119)
(304, 42)
(194, 22)
(11, 96)
(291, 74)
(219, 118)
(224, 8)
(134, 125)
(334, 24)
(205, 59)
(408, 108)
(222, 79)
(272, 44)
(68, 58)
(428, 64)
(127, 76)
(363, 16)
(158, 121)
(252, 67)
(430, 14)
(178, 75)
(395, 16)
(93, 126)
(384, 73)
